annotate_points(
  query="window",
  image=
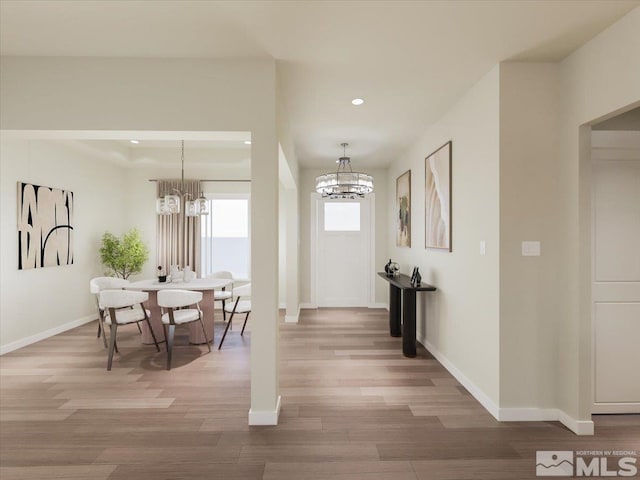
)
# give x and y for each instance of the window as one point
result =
(341, 216)
(225, 242)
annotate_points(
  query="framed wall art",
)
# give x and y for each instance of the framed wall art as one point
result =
(403, 209)
(438, 198)
(45, 226)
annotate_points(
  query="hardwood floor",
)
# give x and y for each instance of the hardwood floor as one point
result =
(353, 408)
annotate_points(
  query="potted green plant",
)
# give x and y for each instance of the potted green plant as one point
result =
(124, 256)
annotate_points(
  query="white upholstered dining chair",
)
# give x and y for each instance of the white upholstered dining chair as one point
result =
(224, 294)
(241, 305)
(97, 285)
(124, 307)
(174, 313)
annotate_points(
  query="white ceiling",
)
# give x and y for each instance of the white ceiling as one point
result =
(625, 121)
(409, 60)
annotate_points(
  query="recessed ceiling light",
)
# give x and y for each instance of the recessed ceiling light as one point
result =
(135, 142)
(357, 101)
(247, 142)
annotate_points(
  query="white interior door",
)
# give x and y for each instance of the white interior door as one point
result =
(616, 271)
(343, 253)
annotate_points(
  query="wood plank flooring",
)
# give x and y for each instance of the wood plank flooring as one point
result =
(353, 408)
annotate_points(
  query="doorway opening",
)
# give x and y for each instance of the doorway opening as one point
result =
(615, 263)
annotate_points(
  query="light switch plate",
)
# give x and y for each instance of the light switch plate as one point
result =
(531, 249)
(483, 247)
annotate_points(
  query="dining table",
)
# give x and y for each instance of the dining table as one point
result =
(204, 285)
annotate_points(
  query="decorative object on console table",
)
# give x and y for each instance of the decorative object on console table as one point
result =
(395, 269)
(416, 278)
(403, 206)
(391, 269)
(438, 229)
(162, 278)
(45, 226)
(387, 269)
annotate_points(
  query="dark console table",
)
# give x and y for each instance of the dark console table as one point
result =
(406, 330)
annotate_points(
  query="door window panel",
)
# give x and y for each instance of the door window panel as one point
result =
(342, 217)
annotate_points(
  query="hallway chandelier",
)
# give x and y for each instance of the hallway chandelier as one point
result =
(170, 204)
(344, 183)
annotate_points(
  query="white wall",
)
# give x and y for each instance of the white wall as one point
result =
(530, 289)
(183, 95)
(461, 320)
(285, 137)
(38, 300)
(307, 187)
(292, 254)
(282, 248)
(289, 173)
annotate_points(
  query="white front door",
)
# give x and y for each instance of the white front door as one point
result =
(616, 271)
(343, 249)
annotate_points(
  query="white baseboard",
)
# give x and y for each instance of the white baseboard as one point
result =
(615, 408)
(527, 414)
(473, 389)
(579, 427)
(311, 306)
(282, 306)
(265, 417)
(292, 318)
(23, 342)
(380, 305)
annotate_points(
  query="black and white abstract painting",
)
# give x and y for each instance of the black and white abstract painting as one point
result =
(45, 226)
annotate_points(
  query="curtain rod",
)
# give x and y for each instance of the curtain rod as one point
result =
(211, 181)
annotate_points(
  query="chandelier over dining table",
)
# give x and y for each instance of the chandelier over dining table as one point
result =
(344, 183)
(172, 202)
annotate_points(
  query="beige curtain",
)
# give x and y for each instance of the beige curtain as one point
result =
(178, 236)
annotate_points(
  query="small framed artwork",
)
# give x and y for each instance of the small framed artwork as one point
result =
(403, 209)
(438, 198)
